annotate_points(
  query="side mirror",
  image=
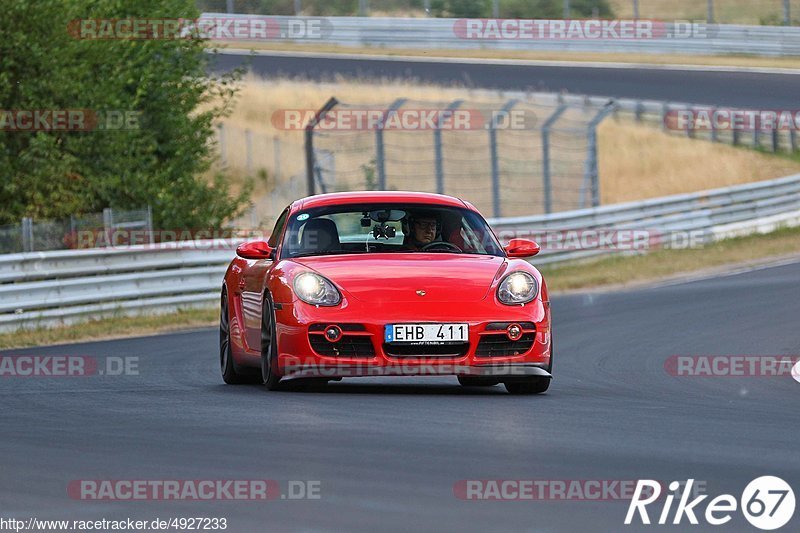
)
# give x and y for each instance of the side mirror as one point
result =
(254, 250)
(521, 248)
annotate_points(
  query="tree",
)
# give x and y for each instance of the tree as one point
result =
(160, 161)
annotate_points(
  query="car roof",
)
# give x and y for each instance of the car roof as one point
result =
(344, 198)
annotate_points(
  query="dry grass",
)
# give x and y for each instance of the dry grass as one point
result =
(534, 55)
(636, 161)
(725, 11)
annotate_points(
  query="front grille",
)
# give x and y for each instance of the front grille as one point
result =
(496, 326)
(347, 346)
(499, 345)
(426, 350)
(320, 328)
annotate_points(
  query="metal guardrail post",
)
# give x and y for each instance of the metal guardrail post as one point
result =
(309, 144)
(495, 160)
(639, 109)
(591, 174)
(108, 225)
(149, 222)
(73, 229)
(330, 158)
(380, 158)
(437, 144)
(27, 234)
(546, 179)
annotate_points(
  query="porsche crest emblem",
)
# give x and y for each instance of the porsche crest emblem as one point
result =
(421, 293)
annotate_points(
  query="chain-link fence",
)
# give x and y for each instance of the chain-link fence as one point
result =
(767, 12)
(516, 158)
(528, 154)
(34, 236)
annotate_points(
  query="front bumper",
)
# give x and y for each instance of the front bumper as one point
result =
(298, 359)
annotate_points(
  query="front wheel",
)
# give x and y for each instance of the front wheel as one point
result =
(230, 373)
(269, 347)
(536, 385)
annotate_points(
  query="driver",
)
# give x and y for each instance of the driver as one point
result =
(423, 230)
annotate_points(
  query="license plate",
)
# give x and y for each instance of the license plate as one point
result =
(427, 333)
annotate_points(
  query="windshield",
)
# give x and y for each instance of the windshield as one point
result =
(386, 228)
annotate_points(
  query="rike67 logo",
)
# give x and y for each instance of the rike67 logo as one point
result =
(767, 503)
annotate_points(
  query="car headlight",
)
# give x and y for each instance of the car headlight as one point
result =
(315, 290)
(517, 288)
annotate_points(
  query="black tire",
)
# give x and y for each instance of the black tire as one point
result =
(535, 385)
(473, 381)
(231, 374)
(269, 347)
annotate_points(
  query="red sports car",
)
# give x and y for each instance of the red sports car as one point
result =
(386, 283)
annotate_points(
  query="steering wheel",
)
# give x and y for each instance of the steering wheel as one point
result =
(442, 245)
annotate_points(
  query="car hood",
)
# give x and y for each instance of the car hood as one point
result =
(396, 277)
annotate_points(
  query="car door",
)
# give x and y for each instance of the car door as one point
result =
(252, 285)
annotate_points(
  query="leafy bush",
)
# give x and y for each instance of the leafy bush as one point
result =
(52, 174)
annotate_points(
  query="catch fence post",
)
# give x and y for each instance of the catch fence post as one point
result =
(546, 179)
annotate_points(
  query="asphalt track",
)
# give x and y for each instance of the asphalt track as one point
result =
(388, 452)
(756, 90)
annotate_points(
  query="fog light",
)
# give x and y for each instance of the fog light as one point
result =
(514, 332)
(333, 333)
